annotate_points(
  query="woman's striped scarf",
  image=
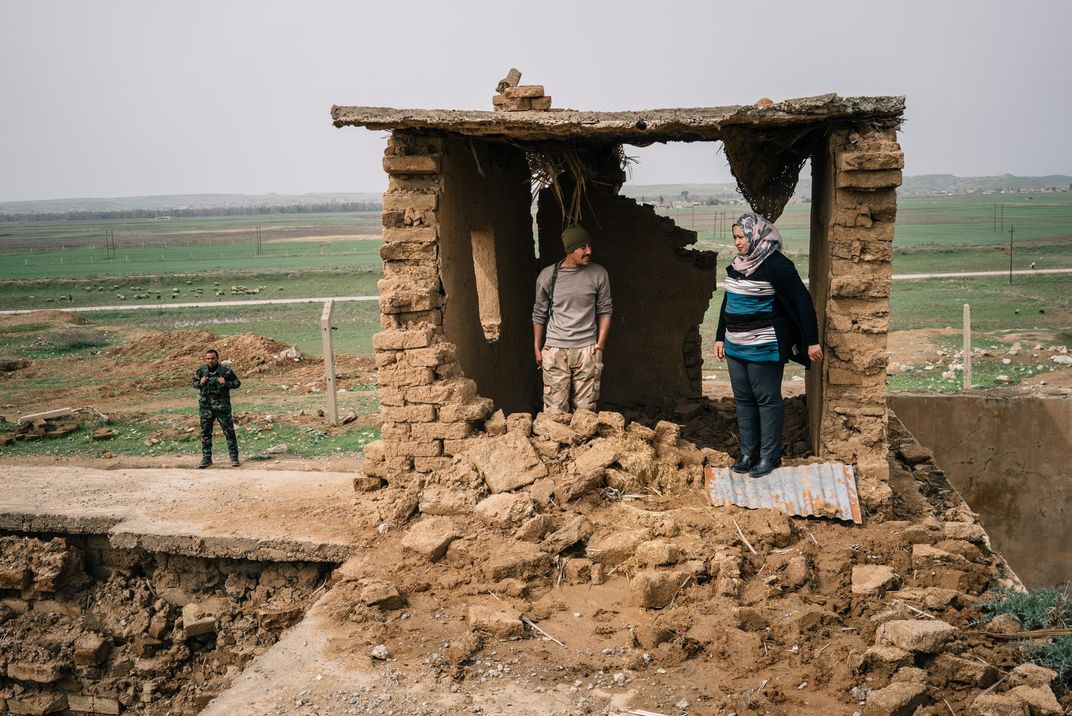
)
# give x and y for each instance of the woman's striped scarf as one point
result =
(763, 240)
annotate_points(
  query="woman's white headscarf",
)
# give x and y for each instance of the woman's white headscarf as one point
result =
(763, 240)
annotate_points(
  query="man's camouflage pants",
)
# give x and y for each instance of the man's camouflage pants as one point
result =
(573, 371)
(222, 415)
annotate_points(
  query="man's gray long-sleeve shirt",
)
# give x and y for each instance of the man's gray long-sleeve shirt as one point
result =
(582, 294)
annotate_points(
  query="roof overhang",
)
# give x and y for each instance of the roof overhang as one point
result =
(640, 127)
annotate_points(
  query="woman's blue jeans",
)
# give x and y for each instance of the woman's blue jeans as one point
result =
(757, 391)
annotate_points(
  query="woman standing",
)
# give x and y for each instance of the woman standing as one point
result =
(766, 319)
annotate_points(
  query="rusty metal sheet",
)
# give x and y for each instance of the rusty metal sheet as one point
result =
(818, 490)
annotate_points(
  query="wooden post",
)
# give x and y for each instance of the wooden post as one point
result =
(329, 361)
(967, 347)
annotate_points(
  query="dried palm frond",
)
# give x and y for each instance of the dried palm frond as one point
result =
(553, 164)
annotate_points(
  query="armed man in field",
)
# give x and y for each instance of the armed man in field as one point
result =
(215, 382)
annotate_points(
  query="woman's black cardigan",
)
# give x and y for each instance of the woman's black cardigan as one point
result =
(794, 319)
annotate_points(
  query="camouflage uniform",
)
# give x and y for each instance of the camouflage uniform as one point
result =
(215, 404)
(580, 368)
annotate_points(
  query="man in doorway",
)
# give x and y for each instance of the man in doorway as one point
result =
(215, 382)
(570, 324)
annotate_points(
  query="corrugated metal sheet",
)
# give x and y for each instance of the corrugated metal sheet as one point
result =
(819, 490)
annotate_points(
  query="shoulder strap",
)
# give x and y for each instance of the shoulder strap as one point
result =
(551, 294)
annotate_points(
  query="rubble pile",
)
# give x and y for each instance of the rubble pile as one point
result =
(42, 429)
(180, 351)
(596, 530)
(90, 629)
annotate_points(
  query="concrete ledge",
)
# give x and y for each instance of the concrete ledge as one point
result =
(235, 514)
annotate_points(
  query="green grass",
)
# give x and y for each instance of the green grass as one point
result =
(187, 288)
(134, 438)
(1038, 301)
(1044, 608)
(188, 246)
(1054, 654)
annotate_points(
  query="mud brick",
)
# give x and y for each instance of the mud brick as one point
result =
(81, 703)
(396, 465)
(391, 396)
(455, 391)
(394, 431)
(404, 339)
(412, 164)
(405, 319)
(523, 91)
(414, 448)
(91, 649)
(386, 359)
(412, 234)
(865, 180)
(419, 271)
(37, 703)
(541, 104)
(410, 414)
(425, 201)
(38, 672)
(476, 409)
(398, 296)
(456, 447)
(521, 104)
(431, 464)
(431, 356)
(449, 370)
(870, 161)
(404, 376)
(408, 251)
(440, 431)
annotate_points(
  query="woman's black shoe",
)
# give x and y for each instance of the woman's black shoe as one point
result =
(743, 464)
(764, 467)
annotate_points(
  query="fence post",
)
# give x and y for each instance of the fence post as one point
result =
(329, 361)
(967, 348)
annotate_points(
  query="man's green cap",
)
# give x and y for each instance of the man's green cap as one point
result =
(574, 238)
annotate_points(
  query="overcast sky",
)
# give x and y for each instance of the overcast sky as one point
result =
(111, 98)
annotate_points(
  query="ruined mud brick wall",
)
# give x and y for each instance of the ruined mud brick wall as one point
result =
(660, 288)
(426, 401)
(854, 207)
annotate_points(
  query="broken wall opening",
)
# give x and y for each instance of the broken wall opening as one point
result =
(90, 628)
(661, 288)
(488, 267)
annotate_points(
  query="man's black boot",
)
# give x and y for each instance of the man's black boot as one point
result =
(205, 462)
(743, 464)
(234, 461)
(763, 467)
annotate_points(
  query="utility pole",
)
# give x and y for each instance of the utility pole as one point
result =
(995, 218)
(967, 348)
(329, 361)
(1011, 230)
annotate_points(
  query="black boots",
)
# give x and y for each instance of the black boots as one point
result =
(763, 467)
(205, 462)
(742, 465)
